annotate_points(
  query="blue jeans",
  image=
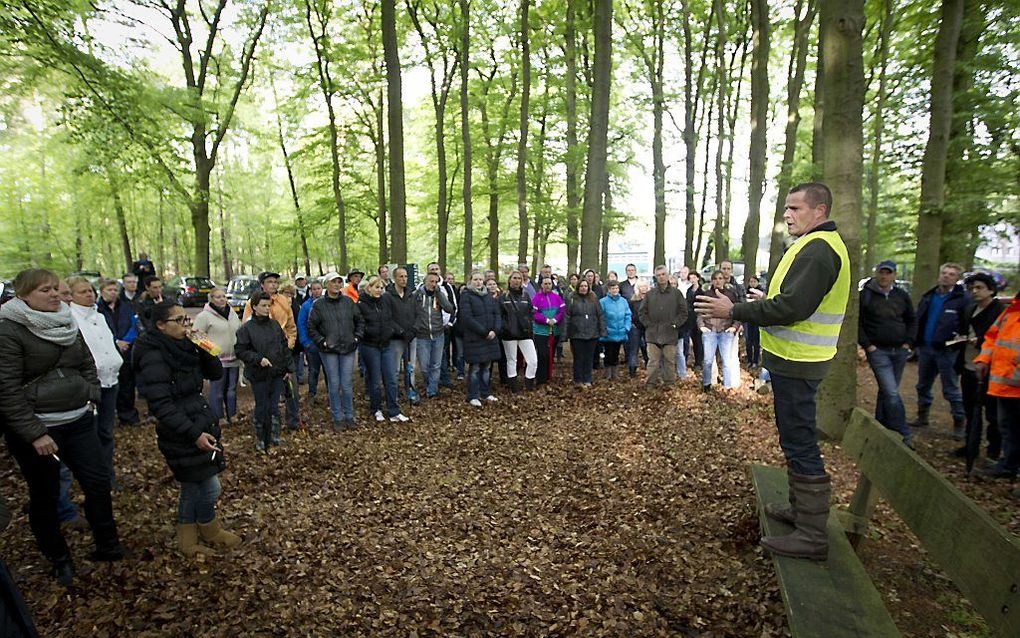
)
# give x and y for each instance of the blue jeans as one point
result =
(197, 501)
(721, 342)
(339, 370)
(479, 380)
(66, 511)
(681, 357)
(931, 363)
(453, 348)
(636, 346)
(314, 366)
(404, 360)
(888, 364)
(430, 362)
(223, 394)
(794, 400)
(379, 371)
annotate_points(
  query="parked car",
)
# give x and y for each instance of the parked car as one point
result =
(188, 290)
(239, 290)
(93, 276)
(6, 291)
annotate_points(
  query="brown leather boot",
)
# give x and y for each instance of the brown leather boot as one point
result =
(783, 512)
(810, 539)
(216, 536)
(187, 539)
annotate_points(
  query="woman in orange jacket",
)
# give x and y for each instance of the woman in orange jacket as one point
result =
(1000, 361)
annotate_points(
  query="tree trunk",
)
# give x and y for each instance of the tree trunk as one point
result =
(465, 132)
(733, 102)
(798, 63)
(721, 238)
(759, 122)
(571, 157)
(704, 184)
(160, 244)
(879, 127)
(690, 140)
(200, 206)
(380, 191)
(842, 23)
(395, 119)
(595, 170)
(817, 137)
(118, 207)
(293, 190)
(228, 271)
(933, 167)
(522, 138)
(658, 107)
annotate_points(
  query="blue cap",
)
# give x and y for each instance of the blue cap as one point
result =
(887, 264)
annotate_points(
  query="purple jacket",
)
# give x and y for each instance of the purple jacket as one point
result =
(547, 305)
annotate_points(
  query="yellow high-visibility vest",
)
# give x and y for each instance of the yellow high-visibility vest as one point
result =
(813, 339)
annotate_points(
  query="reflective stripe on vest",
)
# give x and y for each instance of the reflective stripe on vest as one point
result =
(815, 338)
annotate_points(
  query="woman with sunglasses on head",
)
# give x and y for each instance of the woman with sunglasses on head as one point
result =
(48, 387)
(174, 370)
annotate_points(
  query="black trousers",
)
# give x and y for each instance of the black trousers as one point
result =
(698, 346)
(612, 349)
(126, 411)
(80, 451)
(583, 351)
(974, 393)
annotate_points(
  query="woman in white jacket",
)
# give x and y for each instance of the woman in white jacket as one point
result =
(99, 339)
(220, 323)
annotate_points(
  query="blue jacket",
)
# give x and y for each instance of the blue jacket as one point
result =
(616, 311)
(122, 321)
(950, 321)
(302, 326)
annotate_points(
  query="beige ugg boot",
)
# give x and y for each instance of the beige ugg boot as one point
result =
(216, 536)
(187, 539)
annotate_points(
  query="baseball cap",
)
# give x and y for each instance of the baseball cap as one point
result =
(266, 275)
(300, 275)
(330, 276)
(887, 264)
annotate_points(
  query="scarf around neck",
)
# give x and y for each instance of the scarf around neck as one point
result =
(56, 327)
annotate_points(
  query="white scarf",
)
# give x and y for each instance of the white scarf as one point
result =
(58, 327)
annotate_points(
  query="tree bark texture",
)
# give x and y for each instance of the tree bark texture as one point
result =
(571, 157)
(395, 121)
(522, 137)
(759, 122)
(465, 133)
(595, 170)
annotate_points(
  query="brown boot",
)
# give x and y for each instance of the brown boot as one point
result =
(810, 538)
(783, 512)
(215, 535)
(187, 539)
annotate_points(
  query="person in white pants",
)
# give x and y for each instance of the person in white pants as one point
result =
(515, 305)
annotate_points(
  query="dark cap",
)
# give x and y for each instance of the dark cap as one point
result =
(266, 275)
(353, 272)
(887, 264)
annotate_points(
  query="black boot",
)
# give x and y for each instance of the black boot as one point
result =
(922, 417)
(63, 570)
(514, 384)
(529, 385)
(958, 428)
(810, 539)
(633, 371)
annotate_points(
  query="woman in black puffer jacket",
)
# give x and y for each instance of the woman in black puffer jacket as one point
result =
(517, 313)
(173, 370)
(48, 386)
(262, 346)
(480, 322)
(377, 310)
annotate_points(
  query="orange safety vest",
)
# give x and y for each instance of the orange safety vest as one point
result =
(1001, 353)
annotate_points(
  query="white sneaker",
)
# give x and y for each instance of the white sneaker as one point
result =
(492, 398)
(476, 403)
(379, 416)
(400, 418)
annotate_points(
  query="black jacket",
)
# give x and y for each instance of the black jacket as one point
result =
(516, 312)
(172, 374)
(812, 275)
(479, 315)
(262, 337)
(335, 324)
(584, 319)
(886, 320)
(405, 310)
(380, 327)
(950, 320)
(39, 376)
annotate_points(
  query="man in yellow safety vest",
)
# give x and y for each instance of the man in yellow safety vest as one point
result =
(800, 319)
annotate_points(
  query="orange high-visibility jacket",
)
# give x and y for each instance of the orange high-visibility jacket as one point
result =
(352, 291)
(1001, 352)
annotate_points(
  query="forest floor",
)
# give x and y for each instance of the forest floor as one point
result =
(616, 511)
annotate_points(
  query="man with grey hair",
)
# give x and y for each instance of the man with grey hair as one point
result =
(529, 286)
(663, 312)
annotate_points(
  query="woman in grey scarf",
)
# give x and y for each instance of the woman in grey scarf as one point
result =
(48, 389)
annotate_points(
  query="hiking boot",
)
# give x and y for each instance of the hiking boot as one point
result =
(922, 417)
(633, 371)
(810, 538)
(529, 385)
(187, 539)
(214, 534)
(959, 431)
(63, 570)
(514, 384)
(787, 512)
(110, 554)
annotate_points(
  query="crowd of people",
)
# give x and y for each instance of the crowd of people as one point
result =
(73, 357)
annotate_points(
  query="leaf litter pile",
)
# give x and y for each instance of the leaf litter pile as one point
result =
(613, 511)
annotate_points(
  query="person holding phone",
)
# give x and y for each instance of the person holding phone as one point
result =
(173, 370)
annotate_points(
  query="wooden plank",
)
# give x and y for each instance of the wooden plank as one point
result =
(834, 599)
(981, 557)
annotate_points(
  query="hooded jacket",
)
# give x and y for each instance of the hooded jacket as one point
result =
(221, 330)
(479, 315)
(262, 338)
(1001, 353)
(432, 312)
(280, 311)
